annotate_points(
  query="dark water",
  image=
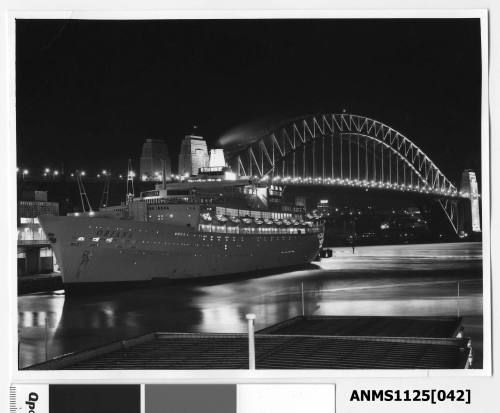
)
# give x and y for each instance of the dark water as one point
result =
(428, 279)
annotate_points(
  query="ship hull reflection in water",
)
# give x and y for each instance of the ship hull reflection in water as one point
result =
(412, 280)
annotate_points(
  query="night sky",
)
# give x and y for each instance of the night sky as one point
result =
(90, 92)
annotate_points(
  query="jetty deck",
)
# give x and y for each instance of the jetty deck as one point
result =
(299, 343)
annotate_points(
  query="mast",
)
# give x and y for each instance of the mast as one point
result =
(163, 173)
(130, 182)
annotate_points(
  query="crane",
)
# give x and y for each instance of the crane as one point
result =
(83, 194)
(105, 193)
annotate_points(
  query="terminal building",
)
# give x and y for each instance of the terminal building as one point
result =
(193, 155)
(34, 254)
(155, 160)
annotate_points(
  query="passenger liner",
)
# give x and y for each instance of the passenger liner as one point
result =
(195, 228)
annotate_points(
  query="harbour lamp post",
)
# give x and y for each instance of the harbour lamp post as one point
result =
(251, 341)
(25, 172)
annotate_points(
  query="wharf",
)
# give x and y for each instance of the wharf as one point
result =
(313, 342)
(29, 284)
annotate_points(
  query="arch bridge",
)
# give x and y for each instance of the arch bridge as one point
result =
(351, 151)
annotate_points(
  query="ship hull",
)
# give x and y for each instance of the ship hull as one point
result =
(105, 250)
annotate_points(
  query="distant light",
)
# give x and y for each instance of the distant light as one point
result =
(82, 173)
(104, 172)
(47, 170)
(17, 169)
(120, 176)
(98, 175)
(72, 174)
(56, 173)
(323, 201)
(26, 172)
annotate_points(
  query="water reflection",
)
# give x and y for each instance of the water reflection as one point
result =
(395, 280)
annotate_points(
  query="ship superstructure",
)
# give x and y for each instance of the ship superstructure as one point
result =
(213, 225)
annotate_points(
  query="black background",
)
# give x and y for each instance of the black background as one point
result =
(89, 92)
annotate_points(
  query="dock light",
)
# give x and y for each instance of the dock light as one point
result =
(251, 341)
(25, 172)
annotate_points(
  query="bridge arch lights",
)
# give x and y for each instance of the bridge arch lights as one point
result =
(348, 150)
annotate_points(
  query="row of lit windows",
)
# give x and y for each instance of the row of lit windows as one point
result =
(232, 212)
(222, 229)
(24, 220)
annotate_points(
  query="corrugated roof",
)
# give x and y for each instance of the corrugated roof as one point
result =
(378, 326)
(173, 351)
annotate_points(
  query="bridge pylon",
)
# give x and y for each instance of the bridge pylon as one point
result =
(470, 214)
